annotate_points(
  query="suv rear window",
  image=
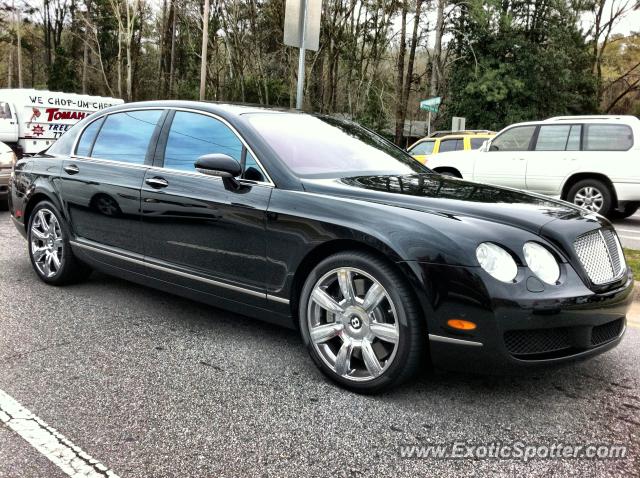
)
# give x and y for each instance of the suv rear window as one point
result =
(608, 137)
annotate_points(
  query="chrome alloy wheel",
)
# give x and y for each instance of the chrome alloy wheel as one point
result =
(46, 243)
(353, 324)
(589, 198)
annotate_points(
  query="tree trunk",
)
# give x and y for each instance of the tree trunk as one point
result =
(172, 59)
(19, 41)
(400, 74)
(85, 53)
(434, 84)
(412, 57)
(205, 44)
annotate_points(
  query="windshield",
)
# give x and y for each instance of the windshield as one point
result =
(314, 146)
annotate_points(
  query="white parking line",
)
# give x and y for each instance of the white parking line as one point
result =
(53, 445)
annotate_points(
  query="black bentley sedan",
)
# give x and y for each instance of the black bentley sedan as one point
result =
(317, 223)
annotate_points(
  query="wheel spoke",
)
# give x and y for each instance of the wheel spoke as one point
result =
(46, 268)
(373, 297)
(44, 225)
(55, 260)
(38, 253)
(346, 285)
(321, 298)
(386, 332)
(324, 333)
(38, 234)
(343, 359)
(370, 359)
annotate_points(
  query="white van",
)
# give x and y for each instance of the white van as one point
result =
(31, 120)
(591, 161)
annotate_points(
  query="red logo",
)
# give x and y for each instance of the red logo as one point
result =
(56, 114)
(37, 130)
(35, 114)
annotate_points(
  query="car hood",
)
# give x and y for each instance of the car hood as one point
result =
(447, 196)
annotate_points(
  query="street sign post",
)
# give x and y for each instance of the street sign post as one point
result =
(431, 105)
(302, 30)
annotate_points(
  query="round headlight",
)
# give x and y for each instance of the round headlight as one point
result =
(497, 262)
(541, 262)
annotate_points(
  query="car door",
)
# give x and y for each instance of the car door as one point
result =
(505, 164)
(555, 157)
(198, 232)
(100, 183)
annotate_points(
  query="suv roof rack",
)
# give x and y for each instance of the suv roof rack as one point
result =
(592, 117)
(445, 132)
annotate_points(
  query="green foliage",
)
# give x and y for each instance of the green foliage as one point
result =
(62, 75)
(518, 61)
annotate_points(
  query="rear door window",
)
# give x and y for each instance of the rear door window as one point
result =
(126, 136)
(558, 138)
(85, 145)
(607, 137)
(451, 145)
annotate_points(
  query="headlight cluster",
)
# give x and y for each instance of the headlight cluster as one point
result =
(500, 264)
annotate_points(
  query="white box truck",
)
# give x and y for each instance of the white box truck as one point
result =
(31, 120)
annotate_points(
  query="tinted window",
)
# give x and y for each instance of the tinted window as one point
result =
(426, 147)
(514, 139)
(125, 136)
(451, 145)
(607, 137)
(87, 138)
(477, 142)
(193, 135)
(330, 147)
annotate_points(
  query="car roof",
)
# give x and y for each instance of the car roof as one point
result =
(221, 108)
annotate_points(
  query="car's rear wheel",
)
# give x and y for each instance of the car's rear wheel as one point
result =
(593, 195)
(49, 249)
(361, 323)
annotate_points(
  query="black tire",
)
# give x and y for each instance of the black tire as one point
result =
(628, 210)
(411, 345)
(71, 269)
(607, 196)
(450, 172)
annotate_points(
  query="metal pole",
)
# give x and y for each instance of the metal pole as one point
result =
(300, 92)
(205, 43)
(429, 125)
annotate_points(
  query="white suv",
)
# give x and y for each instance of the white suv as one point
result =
(592, 161)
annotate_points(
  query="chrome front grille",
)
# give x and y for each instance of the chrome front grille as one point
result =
(601, 255)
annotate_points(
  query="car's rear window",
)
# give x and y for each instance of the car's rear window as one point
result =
(330, 147)
(608, 137)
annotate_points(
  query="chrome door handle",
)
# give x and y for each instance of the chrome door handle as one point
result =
(71, 169)
(157, 183)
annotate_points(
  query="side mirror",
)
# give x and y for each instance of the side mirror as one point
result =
(220, 165)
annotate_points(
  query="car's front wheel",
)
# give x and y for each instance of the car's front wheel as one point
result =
(361, 323)
(49, 250)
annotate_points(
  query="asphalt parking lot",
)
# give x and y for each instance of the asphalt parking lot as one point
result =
(154, 385)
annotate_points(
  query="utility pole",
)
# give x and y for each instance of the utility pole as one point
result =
(300, 91)
(205, 42)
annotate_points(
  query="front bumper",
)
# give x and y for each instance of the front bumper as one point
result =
(519, 325)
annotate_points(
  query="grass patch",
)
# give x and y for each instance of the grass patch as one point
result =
(633, 261)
